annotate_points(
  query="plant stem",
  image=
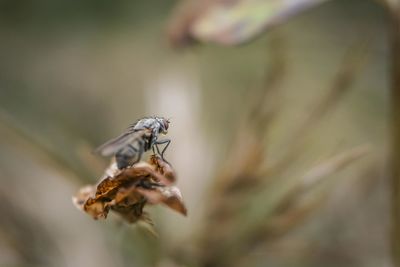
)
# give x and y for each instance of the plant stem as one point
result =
(395, 133)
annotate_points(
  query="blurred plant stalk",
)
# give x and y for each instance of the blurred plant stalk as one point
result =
(393, 7)
(254, 201)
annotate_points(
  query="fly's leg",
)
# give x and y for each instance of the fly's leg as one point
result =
(153, 142)
(165, 141)
(157, 148)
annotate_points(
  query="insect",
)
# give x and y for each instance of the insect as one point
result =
(137, 139)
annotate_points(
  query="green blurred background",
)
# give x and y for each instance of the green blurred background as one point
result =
(75, 73)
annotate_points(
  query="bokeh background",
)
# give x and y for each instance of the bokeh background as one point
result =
(279, 138)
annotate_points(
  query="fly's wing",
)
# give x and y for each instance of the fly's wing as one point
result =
(114, 145)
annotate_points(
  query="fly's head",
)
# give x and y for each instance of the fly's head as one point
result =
(164, 124)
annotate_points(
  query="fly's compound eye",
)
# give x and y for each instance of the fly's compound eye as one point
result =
(166, 125)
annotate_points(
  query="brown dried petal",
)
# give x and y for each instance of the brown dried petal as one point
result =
(83, 195)
(168, 195)
(164, 168)
(109, 186)
(132, 213)
(97, 209)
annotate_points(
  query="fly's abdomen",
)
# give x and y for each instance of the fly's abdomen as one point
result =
(126, 157)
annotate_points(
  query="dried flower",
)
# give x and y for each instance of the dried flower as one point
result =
(127, 191)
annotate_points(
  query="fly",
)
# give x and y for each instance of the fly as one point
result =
(140, 137)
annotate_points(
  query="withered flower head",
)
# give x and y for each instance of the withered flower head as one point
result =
(127, 191)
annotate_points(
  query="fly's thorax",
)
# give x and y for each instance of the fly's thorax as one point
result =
(145, 123)
(157, 124)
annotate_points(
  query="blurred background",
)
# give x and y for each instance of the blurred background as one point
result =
(279, 127)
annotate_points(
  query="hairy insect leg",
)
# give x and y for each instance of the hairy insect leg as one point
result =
(158, 149)
(165, 141)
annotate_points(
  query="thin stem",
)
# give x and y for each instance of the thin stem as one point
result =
(395, 134)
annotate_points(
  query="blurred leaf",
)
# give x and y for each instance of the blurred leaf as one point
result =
(25, 233)
(233, 22)
(305, 196)
(392, 4)
(41, 150)
(352, 63)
